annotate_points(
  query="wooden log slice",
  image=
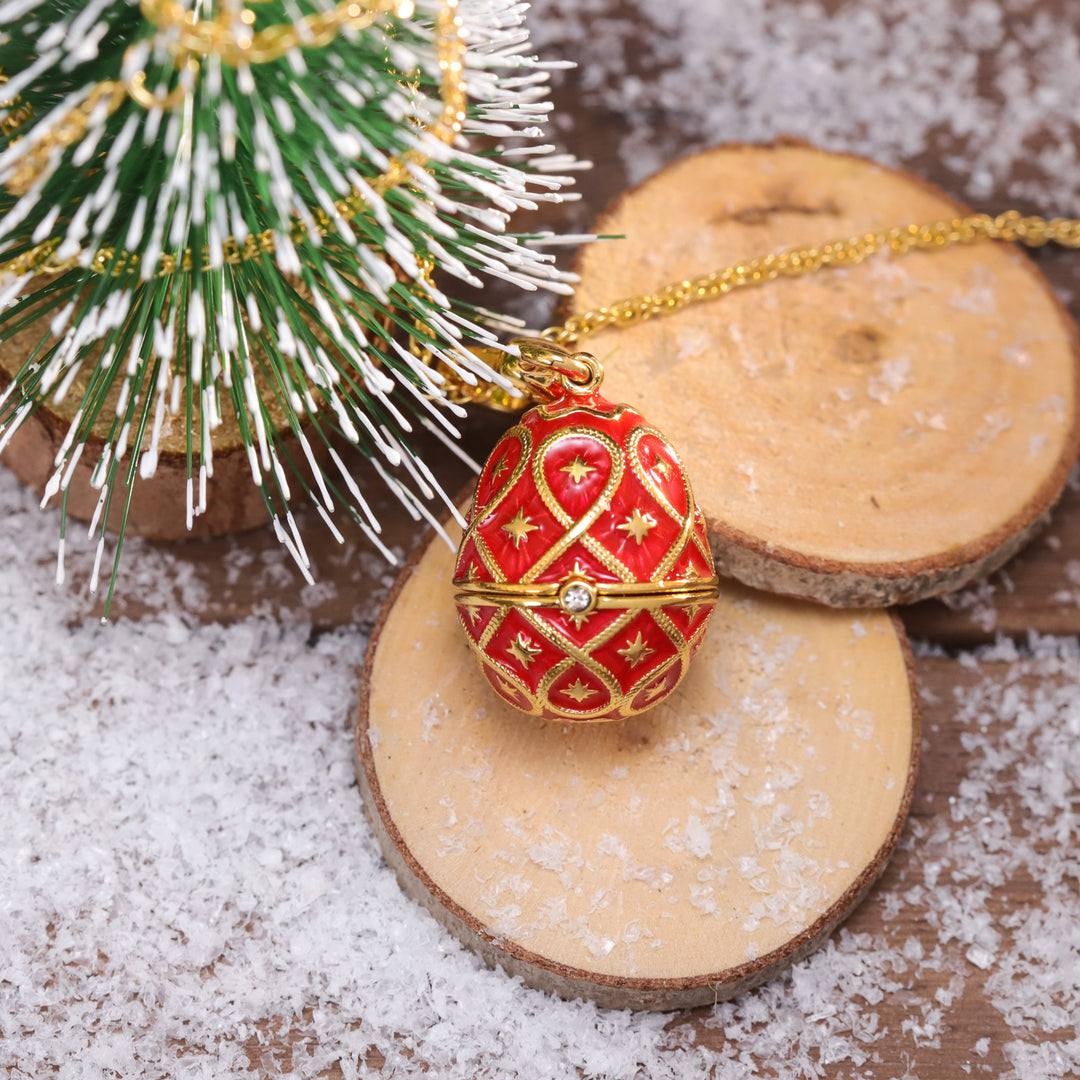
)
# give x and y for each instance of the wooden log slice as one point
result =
(159, 502)
(234, 502)
(671, 860)
(863, 436)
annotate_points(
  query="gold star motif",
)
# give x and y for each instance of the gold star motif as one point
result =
(519, 528)
(579, 691)
(638, 525)
(636, 651)
(578, 469)
(662, 467)
(499, 468)
(472, 573)
(692, 610)
(523, 650)
(508, 687)
(654, 690)
(474, 614)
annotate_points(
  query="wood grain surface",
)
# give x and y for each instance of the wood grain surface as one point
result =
(937, 790)
(791, 746)
(951, 1052)
(815, 413)
(1039, 592)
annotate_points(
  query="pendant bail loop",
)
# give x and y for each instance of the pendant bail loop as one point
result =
(552, 372)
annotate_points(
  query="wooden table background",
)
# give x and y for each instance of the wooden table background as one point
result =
(1039, 592)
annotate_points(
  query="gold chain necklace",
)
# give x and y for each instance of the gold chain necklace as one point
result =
(1031, 231)
(584, 581)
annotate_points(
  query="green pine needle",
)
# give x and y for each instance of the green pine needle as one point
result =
(299, 342)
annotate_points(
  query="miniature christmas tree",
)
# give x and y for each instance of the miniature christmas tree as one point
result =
(217, 212)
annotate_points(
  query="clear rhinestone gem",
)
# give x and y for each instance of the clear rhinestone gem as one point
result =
(576, 598)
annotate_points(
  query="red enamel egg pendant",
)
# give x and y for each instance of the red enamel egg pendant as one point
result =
(584, 579)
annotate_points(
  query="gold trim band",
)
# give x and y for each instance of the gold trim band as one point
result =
(609, 595)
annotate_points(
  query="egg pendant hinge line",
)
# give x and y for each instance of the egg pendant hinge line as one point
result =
(584, 580)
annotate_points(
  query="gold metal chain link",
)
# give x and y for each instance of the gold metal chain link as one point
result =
(450, 56)
(797, 262)
(236, 41)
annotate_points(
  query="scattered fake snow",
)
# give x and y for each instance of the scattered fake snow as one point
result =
(983, 86)
(185, 873)
(184, 867)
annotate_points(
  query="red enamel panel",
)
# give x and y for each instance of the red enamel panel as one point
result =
(516, 647)
(578, 690)
(637, 651)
